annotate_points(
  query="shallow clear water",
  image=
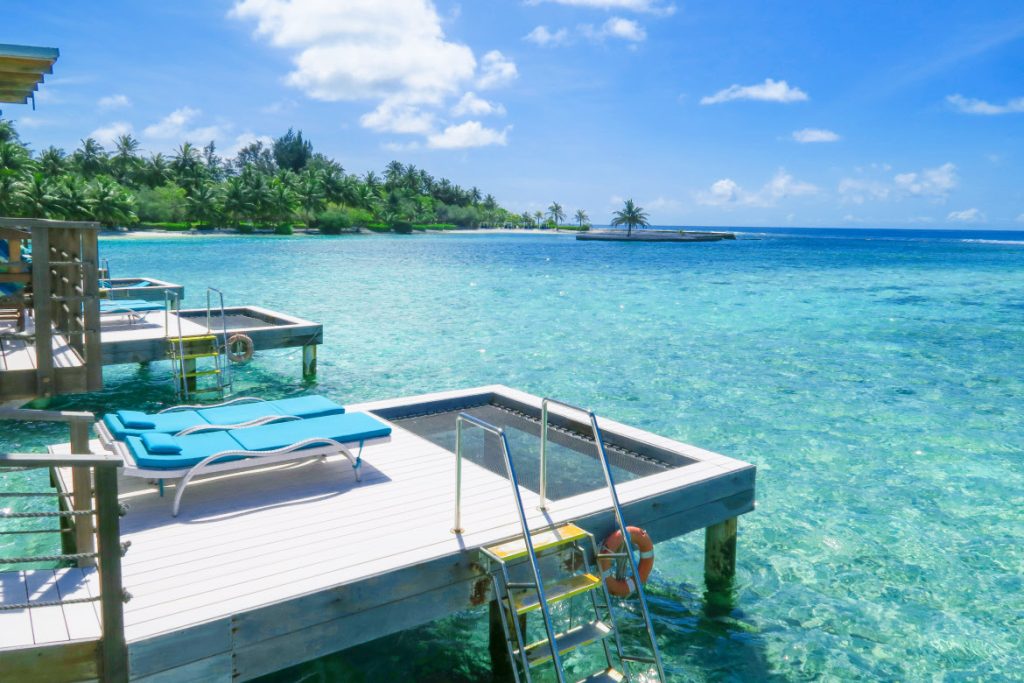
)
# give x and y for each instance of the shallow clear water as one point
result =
(877, 384)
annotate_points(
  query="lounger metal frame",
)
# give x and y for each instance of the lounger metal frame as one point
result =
(300, 450)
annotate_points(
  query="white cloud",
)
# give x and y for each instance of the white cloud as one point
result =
(626, 29)
(496, 70)
(815, 135)
(857, 190)
(544, 37)
(279, 107)
(394, 117)
(392, 52)
(245, 139)
(933, 182)
(1020, 218)
(468, 134)
(769, 91)
(966, 216)
(650, 6)
(105, 135)
(972, 106)
(471, 105)
(114, 102)
(34, 122)
(727, 192)
(173, 125)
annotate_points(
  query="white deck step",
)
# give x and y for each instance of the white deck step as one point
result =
(606, 676)
(540, 652)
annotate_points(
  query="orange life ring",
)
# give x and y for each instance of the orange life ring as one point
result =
(625, 587)
(240, 355)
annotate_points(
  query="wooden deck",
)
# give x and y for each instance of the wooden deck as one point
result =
(19, 364)
(269, 568)
(58, 636)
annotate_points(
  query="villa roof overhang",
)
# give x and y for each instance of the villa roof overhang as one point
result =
(22, 69)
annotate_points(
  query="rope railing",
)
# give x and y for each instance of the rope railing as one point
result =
(89, 512)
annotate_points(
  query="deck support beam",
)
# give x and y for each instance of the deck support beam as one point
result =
(720, 554)
(309, 361)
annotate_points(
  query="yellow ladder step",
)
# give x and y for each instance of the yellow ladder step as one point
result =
(201, 373)
(584, 634)
(193, 356)
(205, 337)
(542, 540)
(525, 599)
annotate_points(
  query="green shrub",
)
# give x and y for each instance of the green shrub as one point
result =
(245, 228)
(334, 221)
(377, 227)
(173, 227)
(402, 227)
(437, 226)
(164, 204)
(284, 230)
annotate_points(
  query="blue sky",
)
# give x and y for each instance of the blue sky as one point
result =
(868, 114)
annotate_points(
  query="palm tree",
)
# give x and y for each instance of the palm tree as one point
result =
(157, 171)
(9, 197)
(631, 216)
(311, 196)
(526, 219)
(14, 158)
(556, 213)
(74, 198)
(582, 217)
(236, 201)
(53, 162)
(124, 163)
(187, 166)
(90, 158)
(109, 203)
(537, 218)
(204, 203)
(37, 196)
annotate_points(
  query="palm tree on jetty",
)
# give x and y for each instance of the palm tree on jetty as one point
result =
(632, 216)
(557, 213)
(582, 217)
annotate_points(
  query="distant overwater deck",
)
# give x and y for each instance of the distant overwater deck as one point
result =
(272, 567)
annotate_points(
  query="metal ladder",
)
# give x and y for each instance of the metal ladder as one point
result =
(196, 347)
(516, 599)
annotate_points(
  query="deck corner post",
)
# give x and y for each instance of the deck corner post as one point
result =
(309, 361)
(81, 478)
(720, 553)
(113, 648)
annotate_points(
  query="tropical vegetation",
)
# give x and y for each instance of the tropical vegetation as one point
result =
(273, 185)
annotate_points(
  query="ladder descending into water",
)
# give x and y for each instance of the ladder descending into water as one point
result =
(516, 599)
(185, 352)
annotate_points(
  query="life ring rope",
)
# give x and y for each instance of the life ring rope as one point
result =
(626, 586)
(248, 348)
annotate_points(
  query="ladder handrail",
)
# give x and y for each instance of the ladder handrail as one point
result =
(528, 541)
(616, 507)
(224, 332)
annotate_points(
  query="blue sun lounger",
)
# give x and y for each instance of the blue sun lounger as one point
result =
(248, 411)
(156, 455)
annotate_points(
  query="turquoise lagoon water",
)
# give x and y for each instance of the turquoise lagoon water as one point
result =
(874, 378)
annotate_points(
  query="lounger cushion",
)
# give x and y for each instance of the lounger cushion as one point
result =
(129, 305)
(347, 428)
(160, 443)
(302, 406)
(136, 419)
(194, 448)
(169, 423)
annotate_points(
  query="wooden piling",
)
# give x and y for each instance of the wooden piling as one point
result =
(720, 554)
(309, 361)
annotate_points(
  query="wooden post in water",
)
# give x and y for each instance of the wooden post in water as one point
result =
(720, 554)
(309, 361)
(501, 667)
(188, 372)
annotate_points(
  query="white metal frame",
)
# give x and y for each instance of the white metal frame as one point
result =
(251, 460)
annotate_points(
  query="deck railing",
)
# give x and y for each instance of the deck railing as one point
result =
(90, 514)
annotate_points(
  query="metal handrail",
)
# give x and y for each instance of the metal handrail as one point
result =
(527, 540)
(224, 334)
(610, 481)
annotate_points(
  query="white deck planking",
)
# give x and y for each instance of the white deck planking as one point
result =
(249, 539)
(43, 625)
(19, 354)
(153, 325)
